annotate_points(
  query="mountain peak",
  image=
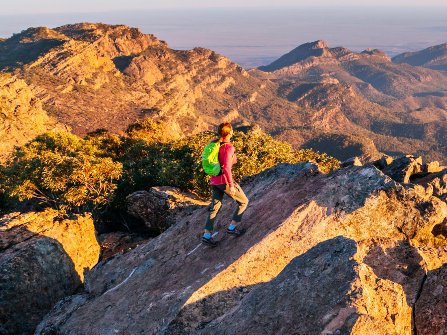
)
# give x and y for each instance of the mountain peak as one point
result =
(319, 44)
(38, 33)
(312, 49)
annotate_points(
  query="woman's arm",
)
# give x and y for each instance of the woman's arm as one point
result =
(228, 163)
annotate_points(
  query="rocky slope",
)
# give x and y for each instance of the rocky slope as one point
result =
(342, 253)
(433, 57)
(92, 76)
(89, 76)
(21, 115)
(42, 260)
(397, 106)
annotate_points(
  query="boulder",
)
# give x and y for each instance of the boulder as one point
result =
(339, 253)
(437, 182)
(402, 168)
(159, 206)
(354, 161)
(383, 162)
(432, 167)
(42, 260)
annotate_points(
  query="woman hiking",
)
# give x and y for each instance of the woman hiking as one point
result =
(224, 184)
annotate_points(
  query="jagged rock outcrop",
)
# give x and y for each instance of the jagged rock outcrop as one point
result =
(409, 169)
(353, 161)
(436, 183)
(402, 168)
(159, 206)
(42, 260)
(432, 167)
(342, 253)
(383, 162)
(21, 115)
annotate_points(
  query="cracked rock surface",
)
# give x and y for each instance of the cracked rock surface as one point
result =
(339, 253)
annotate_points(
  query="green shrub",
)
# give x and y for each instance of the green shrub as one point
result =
(178, 163)
(63, 171)
(154, 131)
(73, 174)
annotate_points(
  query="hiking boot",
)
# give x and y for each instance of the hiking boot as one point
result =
(236, 231)
(209, 242)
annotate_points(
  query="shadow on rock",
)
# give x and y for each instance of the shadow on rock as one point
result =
(430, 310)
(34, 275)
(309, 296)
(401, 265)
(440, 229)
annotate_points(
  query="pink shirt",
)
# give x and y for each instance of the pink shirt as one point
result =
(227, 158)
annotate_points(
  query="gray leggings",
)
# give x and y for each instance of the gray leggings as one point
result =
(218, 192)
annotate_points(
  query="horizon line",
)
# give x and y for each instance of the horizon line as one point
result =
(207, 8)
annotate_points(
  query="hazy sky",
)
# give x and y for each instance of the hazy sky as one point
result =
(54, 6)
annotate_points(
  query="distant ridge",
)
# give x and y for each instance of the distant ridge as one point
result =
(316, 49)
(398, 106)
(434, 57)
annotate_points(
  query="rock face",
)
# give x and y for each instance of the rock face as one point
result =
(432, 305)
(159, 206)
(342, 253)
(42, 260)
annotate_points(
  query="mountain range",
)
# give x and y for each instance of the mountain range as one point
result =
(89, 76)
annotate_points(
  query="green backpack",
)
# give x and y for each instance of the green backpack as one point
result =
(210, 159)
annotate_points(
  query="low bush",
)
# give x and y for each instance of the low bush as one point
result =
(70, 173)
(63, 171)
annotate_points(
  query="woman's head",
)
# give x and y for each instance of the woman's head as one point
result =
(225, 129)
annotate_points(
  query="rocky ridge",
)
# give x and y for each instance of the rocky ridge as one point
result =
(341, 253)
(434, 57)
(90, 76)
(399, 107)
